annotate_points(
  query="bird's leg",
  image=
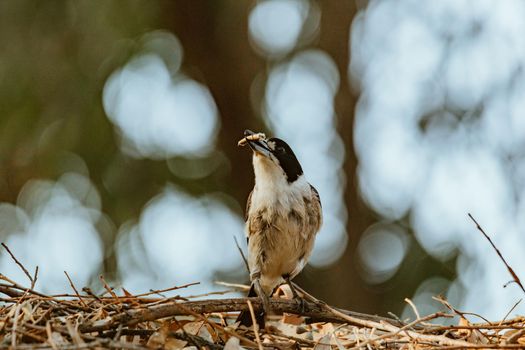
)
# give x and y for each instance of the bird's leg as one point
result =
(296, 296)
(260, 292)
(309, 297)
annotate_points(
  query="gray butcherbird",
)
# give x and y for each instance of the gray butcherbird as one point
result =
(283, 216)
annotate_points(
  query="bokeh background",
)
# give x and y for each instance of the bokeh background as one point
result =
(119, 123)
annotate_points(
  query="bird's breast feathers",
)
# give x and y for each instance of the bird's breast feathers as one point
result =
(288, 202)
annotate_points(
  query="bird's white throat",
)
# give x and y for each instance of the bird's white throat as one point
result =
(272, 189)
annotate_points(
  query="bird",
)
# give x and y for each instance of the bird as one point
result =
(283, 216)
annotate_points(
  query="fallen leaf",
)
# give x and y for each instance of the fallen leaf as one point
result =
(175, 344)
(233, 344)
(292, 319)
(521, 341)
(193, 327)
(463, 332)
(324, 343)
(126, 293)
(158, 339)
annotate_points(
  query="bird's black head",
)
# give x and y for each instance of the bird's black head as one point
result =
(279, 153)
(287, 159)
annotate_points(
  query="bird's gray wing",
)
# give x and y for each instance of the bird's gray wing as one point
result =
(247, 211)
(248, 205)
(316, 194)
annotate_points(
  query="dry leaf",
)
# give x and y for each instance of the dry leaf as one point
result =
(463, 332)
(157, 339)
(126, 293)
(233, 344)
(193, 327)
(57, 338)
(292, 319)
(324, 343)
(204, 333)
(175, 344)
(521, 341)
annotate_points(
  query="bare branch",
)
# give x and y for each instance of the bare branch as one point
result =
(511, 271)
(19, 264)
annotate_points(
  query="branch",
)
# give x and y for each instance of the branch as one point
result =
(317, 312)
(511, 271)
(20, 265)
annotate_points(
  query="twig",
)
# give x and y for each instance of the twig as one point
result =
(458, 312)
(242, 287)
(199, 315)
(18, 263)
(108, 288)
(508, 313)
(75, 289)
(514, 338)
(35, 277)
(165, 290)
(50, 336)
(255, 325)
(413, 308)
(511, 271)
(396, 330)
(135, 316)
(15, 325)
(242, 254)
(197, 341)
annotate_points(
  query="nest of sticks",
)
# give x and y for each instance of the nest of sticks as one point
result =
(32, 320)
(118, 319)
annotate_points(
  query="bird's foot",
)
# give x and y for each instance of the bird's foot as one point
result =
(265, 300)
(300, 300)
(302, 304)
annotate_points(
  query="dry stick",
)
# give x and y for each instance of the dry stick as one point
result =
(242, 254)
(477, 346)
(414, 308)
(73, 333)
(436, 329)
(390, 328)
(236, 286)
(49, 333)
(35, 277)
(15, 285)
(255, 325)
(511, 271)
(458, 312)
(409, 325)
(133, 317)
(108, 288)
(165, 290)
(18, 263)
(15, 325)
(75, 289)
(214, 325)
(508, 313)
(10, 292)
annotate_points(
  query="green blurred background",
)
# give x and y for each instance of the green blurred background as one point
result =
(56, 58)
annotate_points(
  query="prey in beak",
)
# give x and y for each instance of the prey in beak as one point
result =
(257, 142)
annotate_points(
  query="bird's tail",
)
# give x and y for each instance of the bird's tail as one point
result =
(245, 318)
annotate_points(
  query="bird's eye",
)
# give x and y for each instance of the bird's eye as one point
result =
(280, 149)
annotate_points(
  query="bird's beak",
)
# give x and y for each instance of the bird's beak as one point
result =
(258, 146)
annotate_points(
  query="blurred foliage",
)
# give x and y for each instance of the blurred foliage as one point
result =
(54, 61)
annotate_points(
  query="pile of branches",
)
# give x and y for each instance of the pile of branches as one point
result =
(32, 320)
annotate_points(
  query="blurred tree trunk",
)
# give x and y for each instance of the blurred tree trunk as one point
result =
(223, 35)
(218, 49)
(336, 21)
